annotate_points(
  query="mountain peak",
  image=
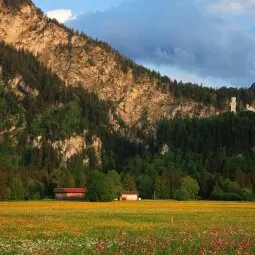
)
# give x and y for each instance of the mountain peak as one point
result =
(252, 87)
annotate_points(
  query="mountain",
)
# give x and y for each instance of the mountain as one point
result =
(78, 59)
(70, 104)
(252, 87)
(50, 131)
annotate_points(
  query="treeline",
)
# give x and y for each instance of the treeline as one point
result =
(212, 150)
(15, 4)
(158, 178)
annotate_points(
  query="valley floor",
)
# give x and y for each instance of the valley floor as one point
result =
(144, 227)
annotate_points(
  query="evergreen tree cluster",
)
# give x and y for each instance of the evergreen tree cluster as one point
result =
(233, 134)
(15, 4)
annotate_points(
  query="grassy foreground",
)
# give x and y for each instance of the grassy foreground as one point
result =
(145, 227)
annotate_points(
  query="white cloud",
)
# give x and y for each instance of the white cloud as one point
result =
(61, 15)
(239, 7)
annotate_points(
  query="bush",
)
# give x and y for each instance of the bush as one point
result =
(35, 190)
(220, 195)
(230, 186)
(17, 189)
(231, 191)
(99, 189)
(217, 193)
(182, 194)
(231, 197)
(246, 194)
(188, 190)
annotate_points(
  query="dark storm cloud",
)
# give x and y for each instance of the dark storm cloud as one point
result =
(179, 34)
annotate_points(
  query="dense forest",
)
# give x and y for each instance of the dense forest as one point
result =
(211, 158)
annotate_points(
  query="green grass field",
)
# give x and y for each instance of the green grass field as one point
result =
(145, 227)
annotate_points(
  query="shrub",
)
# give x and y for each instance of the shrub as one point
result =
(246, 194)
(188, 190)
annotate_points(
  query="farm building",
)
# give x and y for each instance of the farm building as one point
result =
(70, 193)
(129, 196)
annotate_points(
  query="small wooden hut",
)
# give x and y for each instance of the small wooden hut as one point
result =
(70, 193)
(129, 196)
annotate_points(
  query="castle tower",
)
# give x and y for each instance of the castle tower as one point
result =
(233, 104)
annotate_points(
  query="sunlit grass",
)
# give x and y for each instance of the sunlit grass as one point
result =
(159, 227)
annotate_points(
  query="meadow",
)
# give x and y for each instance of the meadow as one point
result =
(144, 227)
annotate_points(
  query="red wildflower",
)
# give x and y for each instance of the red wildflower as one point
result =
(143, 250)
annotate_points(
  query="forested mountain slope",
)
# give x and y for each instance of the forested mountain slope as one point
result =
(52, 135)
(78, 59)
(73, 113)
(47, 128)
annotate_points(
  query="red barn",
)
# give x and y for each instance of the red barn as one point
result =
(70, 193)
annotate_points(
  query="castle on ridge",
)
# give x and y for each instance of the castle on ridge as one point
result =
(233, 105)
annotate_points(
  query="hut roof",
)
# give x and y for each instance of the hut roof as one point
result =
(70, 190)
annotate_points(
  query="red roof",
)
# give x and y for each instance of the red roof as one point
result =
(70, 190)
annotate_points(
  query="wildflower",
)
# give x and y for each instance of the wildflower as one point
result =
(248, 243)
(143, 250)
(123, 235)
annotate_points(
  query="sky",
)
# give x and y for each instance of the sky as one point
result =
(201, 41)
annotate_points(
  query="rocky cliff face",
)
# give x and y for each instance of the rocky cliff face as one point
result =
(15, 123)
(79, 61)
